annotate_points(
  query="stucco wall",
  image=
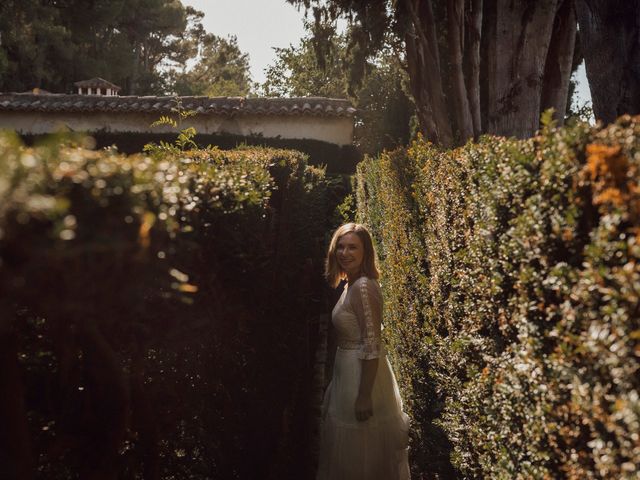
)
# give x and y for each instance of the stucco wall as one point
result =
(336, 130)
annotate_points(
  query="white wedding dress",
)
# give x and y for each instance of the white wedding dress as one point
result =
(375, 449)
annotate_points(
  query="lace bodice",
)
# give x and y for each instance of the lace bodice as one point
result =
(357, 318)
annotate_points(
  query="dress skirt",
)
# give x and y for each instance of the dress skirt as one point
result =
(375, 449)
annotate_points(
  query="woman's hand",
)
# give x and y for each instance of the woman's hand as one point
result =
(364, 408)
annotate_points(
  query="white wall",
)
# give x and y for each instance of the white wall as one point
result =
(336, 130)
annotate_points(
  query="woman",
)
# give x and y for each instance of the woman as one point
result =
(364, 433)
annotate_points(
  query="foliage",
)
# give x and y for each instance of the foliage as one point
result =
(384, 110)
(184, 141)
(296, 71)
(157, 307)
(466, 60)
(512, 287)
(31, 35)
(142, 46)
(222, 70)
(337, 159)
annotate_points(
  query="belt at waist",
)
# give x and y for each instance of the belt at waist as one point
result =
(349, 344)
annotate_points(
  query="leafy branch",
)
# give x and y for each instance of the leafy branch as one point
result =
(184, 141)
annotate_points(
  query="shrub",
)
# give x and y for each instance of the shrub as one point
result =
(158, 309)
(338, 159)
(512, 289)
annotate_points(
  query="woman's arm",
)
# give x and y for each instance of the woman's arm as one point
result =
(367, 305)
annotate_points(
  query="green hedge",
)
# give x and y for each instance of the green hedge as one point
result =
(338, 159)
(154, 311)
(512, 289)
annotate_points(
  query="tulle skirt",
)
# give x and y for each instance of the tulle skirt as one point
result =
(375, 449)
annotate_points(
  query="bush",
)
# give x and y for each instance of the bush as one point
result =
(512, 288)
(158, 310)
(338, 159)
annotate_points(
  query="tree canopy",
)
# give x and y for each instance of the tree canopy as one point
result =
(384, 109)
(221, 70)
(478, 67)
(142, 45)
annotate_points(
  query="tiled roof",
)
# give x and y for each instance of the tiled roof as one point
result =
(96, 82)
(227, 106)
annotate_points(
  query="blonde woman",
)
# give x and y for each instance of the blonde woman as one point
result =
(364, 433)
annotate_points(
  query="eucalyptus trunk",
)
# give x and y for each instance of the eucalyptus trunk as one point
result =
(507, 61)
(455, 44)
(610, 38)
(559, 63)
(423, 62)
(472, 61)
(474, 66)
(516, 63)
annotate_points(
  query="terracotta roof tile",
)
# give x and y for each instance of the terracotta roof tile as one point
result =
(228, 106)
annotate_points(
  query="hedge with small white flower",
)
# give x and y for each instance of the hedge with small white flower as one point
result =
(512, 285)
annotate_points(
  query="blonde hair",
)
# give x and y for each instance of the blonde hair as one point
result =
(332, 271)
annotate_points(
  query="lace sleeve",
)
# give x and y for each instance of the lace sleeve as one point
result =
(367, 305)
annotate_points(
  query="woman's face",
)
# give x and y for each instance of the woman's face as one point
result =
(350, 253)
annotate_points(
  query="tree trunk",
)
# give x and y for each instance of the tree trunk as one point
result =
(455, 36)
(610, 37)
(415, 69)
(515, 74)
(559, 63)
(496, 59)
(472, 62)
(423, 61)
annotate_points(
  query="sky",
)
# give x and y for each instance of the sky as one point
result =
(261, 25)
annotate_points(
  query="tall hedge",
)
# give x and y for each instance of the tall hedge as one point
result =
(154, 311)
(512, 287)
(338, 159)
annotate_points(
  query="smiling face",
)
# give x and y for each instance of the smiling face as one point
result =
(350, 253)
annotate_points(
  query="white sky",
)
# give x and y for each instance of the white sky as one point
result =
(260, 25)
(583, 94)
